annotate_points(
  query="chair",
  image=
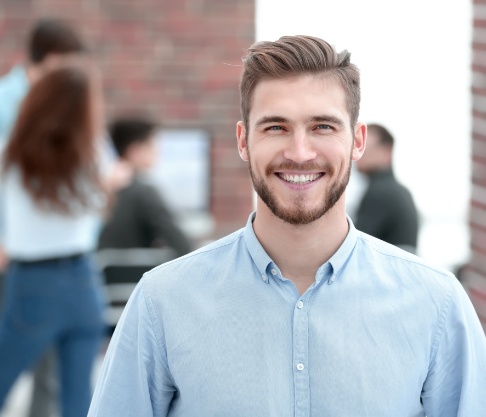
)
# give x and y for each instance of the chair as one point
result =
(122, 269)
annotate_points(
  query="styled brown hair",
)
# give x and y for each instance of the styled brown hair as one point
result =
(53, 140)
(298, 55)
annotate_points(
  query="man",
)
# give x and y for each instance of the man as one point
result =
(386, 210)
(298, 313)
(139, 218)
(48, 40)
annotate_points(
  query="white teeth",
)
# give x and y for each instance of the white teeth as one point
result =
(299, 179)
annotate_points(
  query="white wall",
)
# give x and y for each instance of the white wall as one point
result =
(414, 58)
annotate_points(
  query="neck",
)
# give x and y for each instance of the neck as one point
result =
(300, 250)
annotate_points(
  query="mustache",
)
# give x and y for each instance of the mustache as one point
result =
(292, 166)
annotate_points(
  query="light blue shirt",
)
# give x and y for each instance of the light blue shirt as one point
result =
(13, 88)
(220, 333)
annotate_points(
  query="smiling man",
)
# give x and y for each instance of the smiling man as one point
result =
(297, 314)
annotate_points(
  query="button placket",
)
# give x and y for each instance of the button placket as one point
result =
(300, 358)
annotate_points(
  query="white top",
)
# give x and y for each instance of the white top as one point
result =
(33, 233)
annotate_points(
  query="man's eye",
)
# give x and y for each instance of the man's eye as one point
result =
(323, 127)
(274, 128)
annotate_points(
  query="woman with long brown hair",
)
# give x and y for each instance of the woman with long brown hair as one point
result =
(52, 201)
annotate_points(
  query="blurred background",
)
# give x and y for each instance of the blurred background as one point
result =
(423, 67)
(179, 62)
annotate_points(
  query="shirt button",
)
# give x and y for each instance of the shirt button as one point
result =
(300, 304)
(264, 277)
(300, 366)
(273, 271)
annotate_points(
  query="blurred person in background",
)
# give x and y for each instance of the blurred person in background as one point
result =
(49, 39)
(386, 209)
(139, 218)
(53, 198)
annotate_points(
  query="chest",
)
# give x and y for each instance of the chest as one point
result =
(298, 358)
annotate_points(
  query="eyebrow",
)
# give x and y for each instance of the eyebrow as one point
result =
(271, 119)
(327, 119)
(319, 118)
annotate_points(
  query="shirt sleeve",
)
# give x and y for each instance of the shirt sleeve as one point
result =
(456, 381)
(134, 379)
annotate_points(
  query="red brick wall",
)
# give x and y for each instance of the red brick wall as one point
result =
(177, 60)
(475, 275)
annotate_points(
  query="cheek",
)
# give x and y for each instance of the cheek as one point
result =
(336, 153)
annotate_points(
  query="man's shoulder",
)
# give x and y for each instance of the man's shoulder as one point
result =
(403, 264)
(139, 191)
(200, 265)
(144, 188)
(389, 194)
(390, 270)
(388, 183)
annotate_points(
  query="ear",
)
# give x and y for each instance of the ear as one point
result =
(359, 144)
(242, 144)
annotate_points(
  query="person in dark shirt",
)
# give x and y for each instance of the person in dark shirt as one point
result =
(139, 218)
(387, 210)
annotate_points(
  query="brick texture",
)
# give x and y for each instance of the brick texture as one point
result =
(178, 61)
(474, 276)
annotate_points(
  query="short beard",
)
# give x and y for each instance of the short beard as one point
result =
(299, 216)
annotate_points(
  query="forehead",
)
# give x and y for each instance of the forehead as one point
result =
(299, 97)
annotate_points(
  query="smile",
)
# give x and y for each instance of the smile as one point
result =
(300, 179)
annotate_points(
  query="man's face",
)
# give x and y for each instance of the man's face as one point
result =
(299, 146)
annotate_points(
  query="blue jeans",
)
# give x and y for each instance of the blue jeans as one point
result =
(54, 303)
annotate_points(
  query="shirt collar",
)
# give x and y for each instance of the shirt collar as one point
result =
(337, 261)
(260, 257)
(340, 258)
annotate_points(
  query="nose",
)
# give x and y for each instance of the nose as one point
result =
(300, 148)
